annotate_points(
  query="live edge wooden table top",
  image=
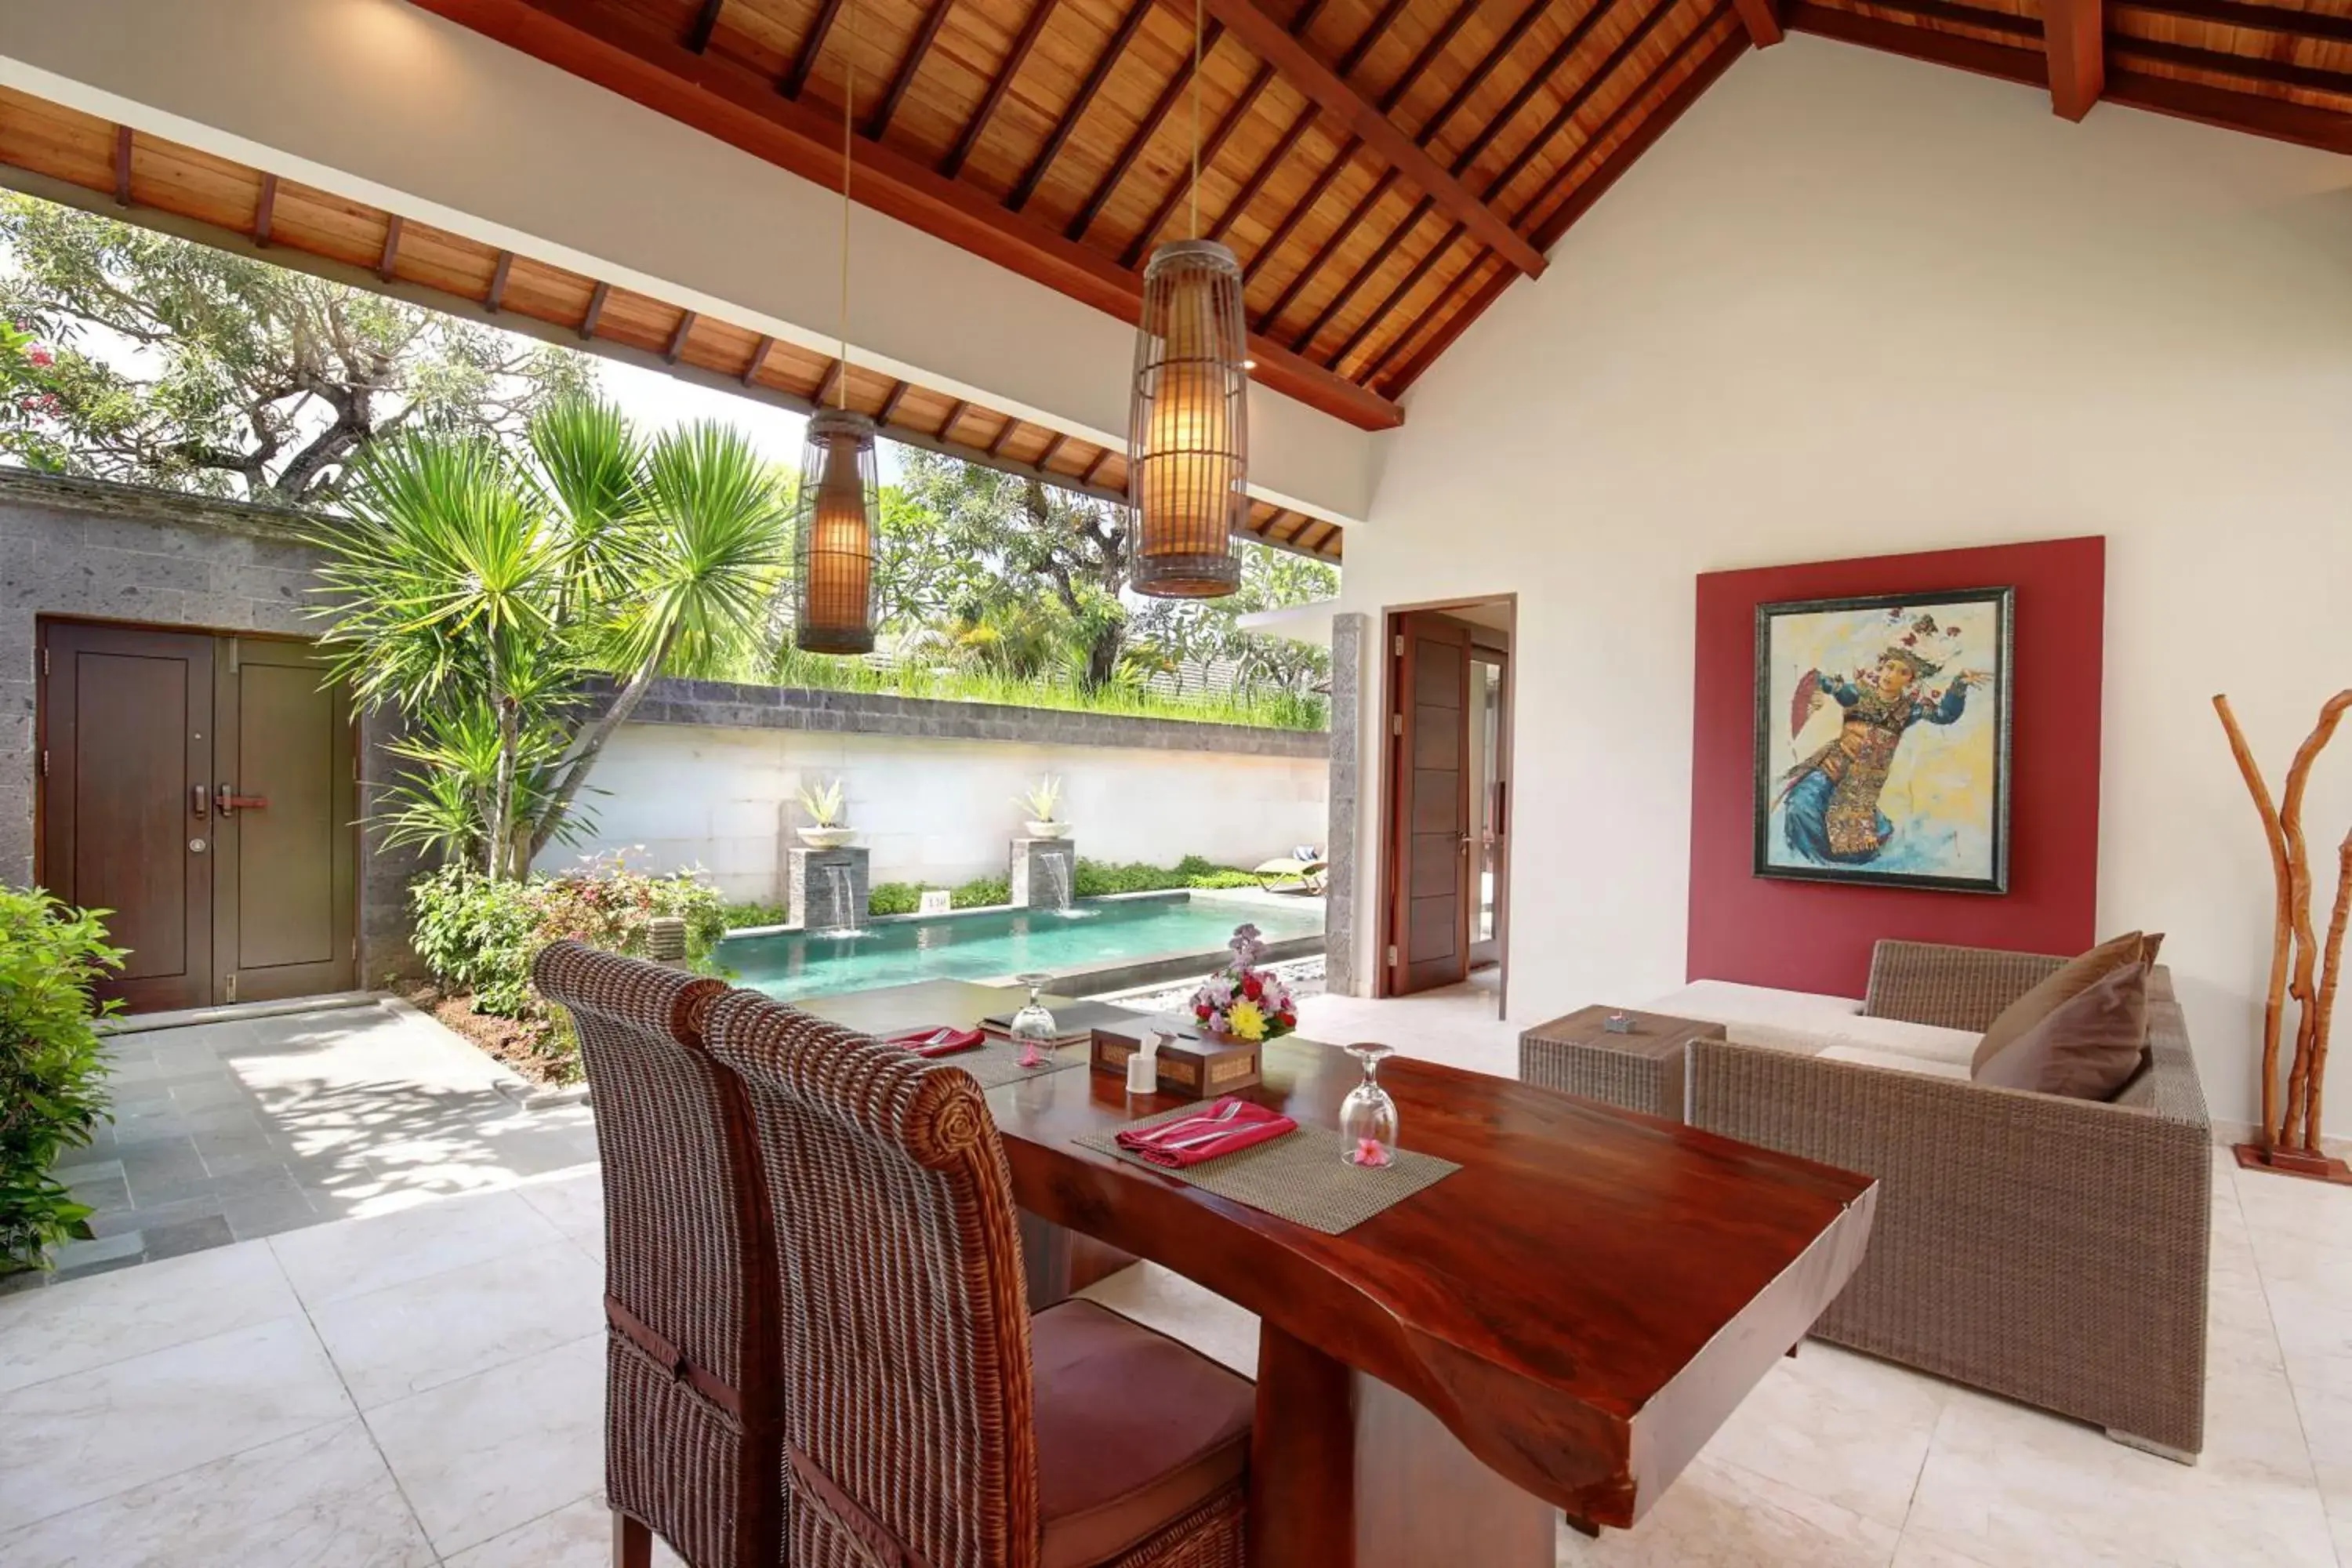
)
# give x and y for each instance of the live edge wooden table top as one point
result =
(1580, 1307)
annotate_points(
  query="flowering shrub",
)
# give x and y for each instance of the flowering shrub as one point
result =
(1243, 1000)
(481, 936)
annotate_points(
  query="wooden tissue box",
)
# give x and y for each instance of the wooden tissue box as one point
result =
(1202, 1068)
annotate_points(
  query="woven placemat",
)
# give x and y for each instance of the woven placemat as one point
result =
(998, 1062)
(1302, 1177)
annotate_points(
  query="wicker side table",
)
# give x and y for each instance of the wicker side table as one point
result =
(1642, 1070)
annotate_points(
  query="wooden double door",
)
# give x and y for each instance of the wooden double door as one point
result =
(1448, 778)
(202, 787)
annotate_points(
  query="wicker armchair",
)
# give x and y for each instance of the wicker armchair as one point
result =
(2048, 1249)
(694, 1389)
(930, 1420)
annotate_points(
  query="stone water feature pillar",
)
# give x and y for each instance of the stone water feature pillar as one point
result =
(1042, 873)
(825, 890)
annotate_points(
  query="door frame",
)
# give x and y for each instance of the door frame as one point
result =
(353, 742)
(1392, 794)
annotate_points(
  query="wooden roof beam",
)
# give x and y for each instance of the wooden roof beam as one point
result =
(265, 212)
(2263, 18)
(1002, 84)
(706, 21)
(1154, 119)
(1299, 65)
(811, 47)
(644, 62)
(685, 330)
(905, 78)
(1097, 74)
(890, 414)
(122, 140)
(2074, 38)
(389, 261)
(1762, 20)
(1258, 83)
(500, 276)
(760, 361)
(597, 298)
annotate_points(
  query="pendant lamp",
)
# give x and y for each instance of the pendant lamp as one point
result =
(1188, 421)
(832, 550)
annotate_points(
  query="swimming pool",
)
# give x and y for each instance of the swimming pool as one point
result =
(1099, 933)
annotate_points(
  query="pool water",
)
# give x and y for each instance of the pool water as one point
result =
(1096, 934)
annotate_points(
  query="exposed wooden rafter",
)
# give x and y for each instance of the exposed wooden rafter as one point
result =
(678, 338)
(388, 263)
(1154, 119)
(884, 111)
(890, 404)
(265, 212)
(998, 85)
(1075, 111)
(123, 144)
(499, 277)
(595, 312)
(705, 22)
(1762, 20)
(1144, 237)
(620, 50)
(759, 359)
(805, 59)
(2261, 18)
(2074, 38)
(1302, 69)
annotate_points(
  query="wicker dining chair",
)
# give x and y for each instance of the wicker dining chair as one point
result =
(694, 1386)
(931, 1421)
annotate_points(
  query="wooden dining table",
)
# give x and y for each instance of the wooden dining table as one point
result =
(1559, 1325)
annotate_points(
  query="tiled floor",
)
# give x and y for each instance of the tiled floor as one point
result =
(424, 1387)
(227, 1132)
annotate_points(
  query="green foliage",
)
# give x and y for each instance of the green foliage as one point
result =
(750, 913)
(480, 590)
(52, 1064)
(480, 935)
(894, 897)
(1099, 878)
(1273, 709)
(982, 892)
(251, 380)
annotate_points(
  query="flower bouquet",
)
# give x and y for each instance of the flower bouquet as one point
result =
(1243, 1002)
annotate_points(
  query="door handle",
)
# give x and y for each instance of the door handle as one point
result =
(197, 796)
(226, 801)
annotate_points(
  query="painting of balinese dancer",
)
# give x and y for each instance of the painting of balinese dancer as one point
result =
(1882, 740)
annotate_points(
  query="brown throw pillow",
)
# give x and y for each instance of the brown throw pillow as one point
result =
(2078, 976)
(2087, 1046)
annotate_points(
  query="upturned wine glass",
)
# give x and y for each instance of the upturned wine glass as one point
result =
(1367, 1117)
(1033, 1029)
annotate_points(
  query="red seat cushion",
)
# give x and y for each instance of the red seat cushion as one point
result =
(1134, 1431)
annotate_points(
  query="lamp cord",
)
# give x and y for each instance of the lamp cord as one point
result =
(848, 104)
(1196, 119)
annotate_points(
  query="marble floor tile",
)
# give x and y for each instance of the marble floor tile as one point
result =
(91, 1434)
(322, 1498)
(577, 1535)
(1839, 1427)
(481, 1455)
(575, 1204)
(407, 1338)
(336, 1262)
(1720, 1516)
(50, 1334)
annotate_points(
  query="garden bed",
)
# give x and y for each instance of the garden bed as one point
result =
(533, 1051)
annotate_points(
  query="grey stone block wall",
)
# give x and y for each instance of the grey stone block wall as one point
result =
(1341, 899)
(1036, 884)
(77, 547)
(816, 899)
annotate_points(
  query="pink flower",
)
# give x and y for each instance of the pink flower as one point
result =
(1371, 1152)
(42, 357)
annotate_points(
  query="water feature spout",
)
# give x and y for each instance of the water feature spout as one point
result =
(1056, 867)
(843, 913)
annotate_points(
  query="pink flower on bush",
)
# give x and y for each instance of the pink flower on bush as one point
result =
(42, 358)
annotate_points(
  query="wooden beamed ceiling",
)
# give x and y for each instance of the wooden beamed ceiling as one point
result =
(55, 151)
(1385, 169)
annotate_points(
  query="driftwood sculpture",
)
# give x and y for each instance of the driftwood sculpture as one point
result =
(2301, 966)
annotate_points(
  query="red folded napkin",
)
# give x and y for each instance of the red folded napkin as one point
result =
(1227, 1127)
(935, 1040)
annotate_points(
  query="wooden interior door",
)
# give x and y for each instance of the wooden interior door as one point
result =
(1428, 798)
(285, 877)
(1487, 905)
(126, 758)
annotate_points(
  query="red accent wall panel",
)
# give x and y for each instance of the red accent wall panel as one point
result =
(1811, 936)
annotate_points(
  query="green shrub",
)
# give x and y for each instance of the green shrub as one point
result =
(52, 1066)
(1098, 879)
(894, 897)
(738, 916)
(481, 936)
(983, 891)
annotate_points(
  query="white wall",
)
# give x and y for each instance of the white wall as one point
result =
(388, 104)
(1855, 304)
(934, 811)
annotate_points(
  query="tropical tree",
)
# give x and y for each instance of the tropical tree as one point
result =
(181, 365)
(481, 591)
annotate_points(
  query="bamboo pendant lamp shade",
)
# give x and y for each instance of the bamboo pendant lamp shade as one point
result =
(833, 555)
(1188, 427)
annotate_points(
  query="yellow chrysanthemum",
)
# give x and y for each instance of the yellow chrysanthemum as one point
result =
(1245, 1021)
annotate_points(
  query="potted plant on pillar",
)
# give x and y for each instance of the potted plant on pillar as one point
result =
(1043, 803)
(822, 802)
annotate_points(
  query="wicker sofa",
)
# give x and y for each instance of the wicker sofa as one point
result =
(2048, 1249)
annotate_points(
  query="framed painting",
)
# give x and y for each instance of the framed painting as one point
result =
(1882, 740)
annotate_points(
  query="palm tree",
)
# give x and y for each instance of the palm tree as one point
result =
(479, 590)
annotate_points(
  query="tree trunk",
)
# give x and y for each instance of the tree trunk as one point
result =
(580, 758)
(1102, 655)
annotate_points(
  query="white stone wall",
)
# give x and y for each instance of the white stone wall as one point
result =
(932, 810)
